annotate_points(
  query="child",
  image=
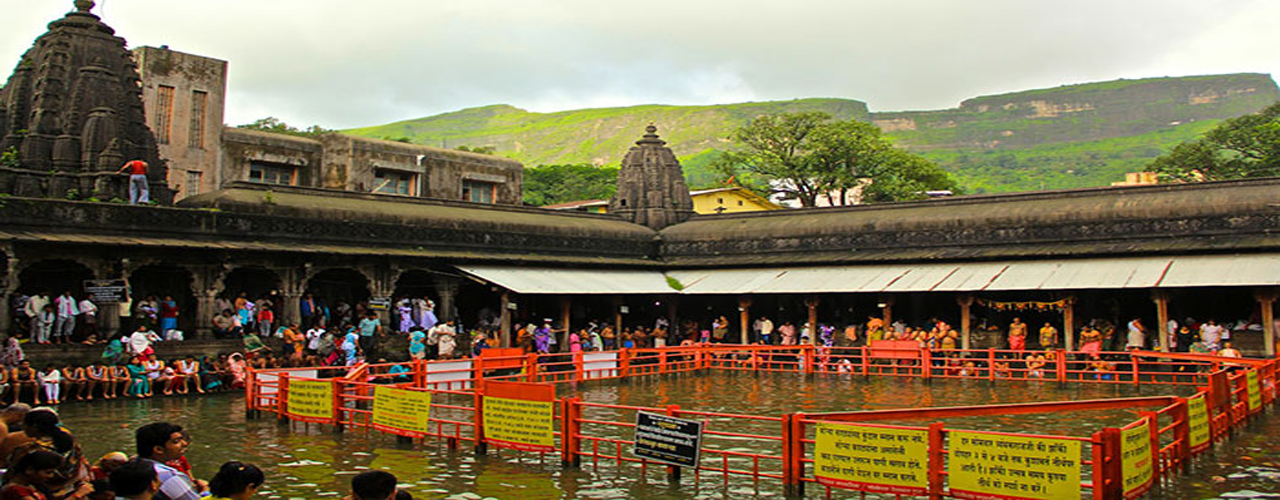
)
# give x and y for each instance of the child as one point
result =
(236, 481)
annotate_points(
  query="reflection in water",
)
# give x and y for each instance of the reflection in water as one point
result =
(313, 461)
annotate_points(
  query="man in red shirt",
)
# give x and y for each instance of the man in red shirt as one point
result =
(139, 190)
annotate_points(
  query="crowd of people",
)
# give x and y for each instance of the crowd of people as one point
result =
(43, 461)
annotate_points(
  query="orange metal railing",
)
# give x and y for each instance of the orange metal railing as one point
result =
(780, 448)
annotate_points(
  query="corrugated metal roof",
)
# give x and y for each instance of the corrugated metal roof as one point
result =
(1225, 270)
(1069, 274)
(537, 280)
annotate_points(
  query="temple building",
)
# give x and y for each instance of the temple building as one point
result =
(72, 112)
(350, 220)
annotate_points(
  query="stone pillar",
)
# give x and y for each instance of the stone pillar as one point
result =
(565, 311)
(1267, 301)
(966, 319)
(617, 314)
(888, 311)
(811, 302)
(676, 330)
(205, 310)
(206, 281)
(381, 287)
(744, 313)
(447, 290)
(1069, 323)
(504, 316)
(1161, 298)
(8, 286)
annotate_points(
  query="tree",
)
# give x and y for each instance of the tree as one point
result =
(278, 126)
(551, 184)
(484, 150)
(1240, 148)
(806, 156)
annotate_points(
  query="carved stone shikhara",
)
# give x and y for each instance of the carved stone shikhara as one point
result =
(72, 111)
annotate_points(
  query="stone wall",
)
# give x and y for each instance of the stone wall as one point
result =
(192, 139)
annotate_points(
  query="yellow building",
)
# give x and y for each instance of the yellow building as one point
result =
(706, 201)
(730, 200)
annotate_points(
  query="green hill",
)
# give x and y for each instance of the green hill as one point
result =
(1071, 136)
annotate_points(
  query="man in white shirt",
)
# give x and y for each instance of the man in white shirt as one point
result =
(35, 306)
(766, 330)
(89, 317)
(67, 310)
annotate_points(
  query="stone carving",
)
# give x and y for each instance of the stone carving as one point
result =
(72, 110)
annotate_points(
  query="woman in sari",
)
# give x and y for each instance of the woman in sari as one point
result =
(114, 351)
(46, 433)
(239, 370)
(139, 382)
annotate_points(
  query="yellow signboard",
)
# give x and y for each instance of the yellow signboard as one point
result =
(872, 458)
(999, 466)
(1135, 459)
(519, 423)
(310, 400)
(1254, 389)
(1198, 421)
(401, 411)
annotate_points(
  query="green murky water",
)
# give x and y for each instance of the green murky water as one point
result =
(310, 461)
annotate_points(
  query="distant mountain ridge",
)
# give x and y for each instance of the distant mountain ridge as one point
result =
(1070, 136)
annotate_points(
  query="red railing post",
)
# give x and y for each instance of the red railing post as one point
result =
(991, 364)
(578, 367)
(935, 461)
(793, 455)
(926, 363)
(662, 362)
(531, 367)
(624, 363)
(673, 472)
(570, 416)
(337, 404)
(1113, 481)
(478, 420)
(866, 361)
(1133, 362)
(810, 352)
(1182, 432)
(1061, 367)
(282, 396)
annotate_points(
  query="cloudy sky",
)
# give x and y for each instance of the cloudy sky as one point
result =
(341, 63)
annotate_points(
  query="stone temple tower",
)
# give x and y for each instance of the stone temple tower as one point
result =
(651, 188)
(72, 111)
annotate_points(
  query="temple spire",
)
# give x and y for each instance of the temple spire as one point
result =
(651, 187)
(84, 5)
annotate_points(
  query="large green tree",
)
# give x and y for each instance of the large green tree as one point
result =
(1239, 148)
(551, 184)
(808, 156)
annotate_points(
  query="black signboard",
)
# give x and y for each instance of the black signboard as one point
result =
(107, 291)
(669, 440)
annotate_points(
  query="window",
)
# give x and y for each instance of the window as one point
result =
(164, 114)
(199, 102)
(479, 191)
(273, 173)
(192, 185)
(393, 182)
(739, 202)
